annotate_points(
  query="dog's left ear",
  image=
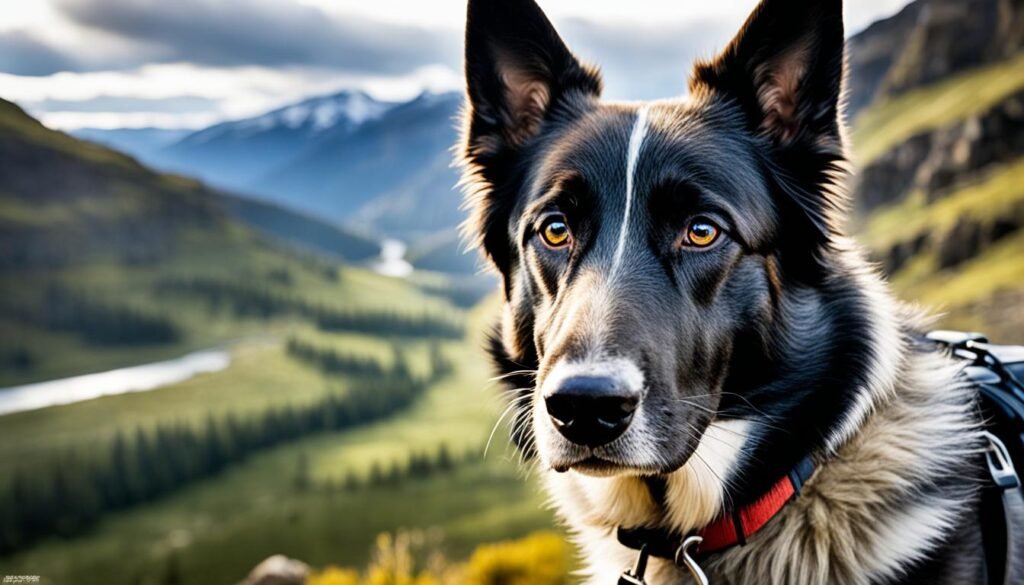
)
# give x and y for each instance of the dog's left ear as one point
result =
(785, 67)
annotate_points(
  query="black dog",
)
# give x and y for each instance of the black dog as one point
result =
(696, 347)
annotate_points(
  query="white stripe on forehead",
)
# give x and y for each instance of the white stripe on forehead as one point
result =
(636, 141)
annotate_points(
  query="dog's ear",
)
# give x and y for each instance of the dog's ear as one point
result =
(517, 69)
(785, 70)
(785, 67)
(519, 74)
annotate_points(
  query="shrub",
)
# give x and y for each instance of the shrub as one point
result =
(539, 559)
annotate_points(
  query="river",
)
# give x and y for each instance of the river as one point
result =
(120, 381)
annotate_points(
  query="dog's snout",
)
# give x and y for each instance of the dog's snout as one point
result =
(591, 410)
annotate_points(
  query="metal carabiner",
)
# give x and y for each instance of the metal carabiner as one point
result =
(636, 576)
(683, 559)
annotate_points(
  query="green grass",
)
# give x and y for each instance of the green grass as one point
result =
(1000, 268)
(887, 124)
(261, 376)
(980, 293)
(223, 527)
(460, 413)
(237, 256)
(220, 528)
(989, 197)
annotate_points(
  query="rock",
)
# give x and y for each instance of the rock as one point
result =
(278, 570)
(929, 40)
(871, 53)
(937, 160)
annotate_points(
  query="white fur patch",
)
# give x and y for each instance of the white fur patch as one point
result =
(695, 492)
(636, 142)
(892, 550)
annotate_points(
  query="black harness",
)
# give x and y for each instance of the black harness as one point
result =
(997, 370)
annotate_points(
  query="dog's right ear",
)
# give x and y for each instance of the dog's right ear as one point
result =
(518, 74)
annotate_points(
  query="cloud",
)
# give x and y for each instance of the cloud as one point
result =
(23, 54)
(109, 103)
(62, 100)
(270, 33)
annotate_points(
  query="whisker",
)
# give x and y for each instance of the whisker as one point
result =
(508, 409)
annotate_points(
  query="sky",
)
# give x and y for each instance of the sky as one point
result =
(191, 63)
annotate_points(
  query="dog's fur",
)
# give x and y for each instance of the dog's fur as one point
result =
(777, 342)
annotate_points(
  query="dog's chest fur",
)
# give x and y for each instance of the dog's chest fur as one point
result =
(885, 502)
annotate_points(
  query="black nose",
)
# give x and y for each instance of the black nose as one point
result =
(591, 411)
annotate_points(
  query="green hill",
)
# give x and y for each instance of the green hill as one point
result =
(940, 196)
(104, 262)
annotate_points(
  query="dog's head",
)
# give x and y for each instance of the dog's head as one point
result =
(650, 252)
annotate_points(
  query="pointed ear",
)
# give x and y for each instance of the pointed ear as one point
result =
(519, 75)
(517, 70)
(785, 68)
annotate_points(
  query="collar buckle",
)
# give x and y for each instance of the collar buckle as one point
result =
(683, 559)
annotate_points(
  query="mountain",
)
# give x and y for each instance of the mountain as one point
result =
(937, 93)
(237, 154)
(348, 158)
(64, 201)
(298, 229)
(286, 225)
(930, 40)
(105, 262)
(392, 174)
(139, 142)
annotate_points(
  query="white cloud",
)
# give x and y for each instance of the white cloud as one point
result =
(239, 92)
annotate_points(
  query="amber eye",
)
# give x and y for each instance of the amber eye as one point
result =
(555, 232)
(701, 233)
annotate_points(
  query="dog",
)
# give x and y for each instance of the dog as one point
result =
(692, 345)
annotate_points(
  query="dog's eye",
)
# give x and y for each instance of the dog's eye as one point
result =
(554, 232)
(701, 233)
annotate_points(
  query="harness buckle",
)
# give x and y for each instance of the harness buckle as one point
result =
(999, 463)
(683, 559)
(636, 576)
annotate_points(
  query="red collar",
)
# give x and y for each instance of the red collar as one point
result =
(731, 528)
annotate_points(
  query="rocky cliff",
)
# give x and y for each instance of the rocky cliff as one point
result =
(930, 40)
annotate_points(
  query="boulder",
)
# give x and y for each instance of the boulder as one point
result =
(278, 570)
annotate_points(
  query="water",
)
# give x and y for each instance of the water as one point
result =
(123, 380)
(392, 259)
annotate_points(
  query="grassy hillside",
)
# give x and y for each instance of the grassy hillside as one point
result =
(215, 531)
(963, 248)
(301, 230)
(886, 124)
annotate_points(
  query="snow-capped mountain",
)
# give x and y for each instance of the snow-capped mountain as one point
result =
(341, 111)
(234, 154)
(348, 158)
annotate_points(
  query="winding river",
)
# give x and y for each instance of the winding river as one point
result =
(120, 381)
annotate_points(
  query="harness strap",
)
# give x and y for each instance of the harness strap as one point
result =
(1002, 507)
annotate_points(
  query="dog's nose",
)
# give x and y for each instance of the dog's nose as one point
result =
(591, 410)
